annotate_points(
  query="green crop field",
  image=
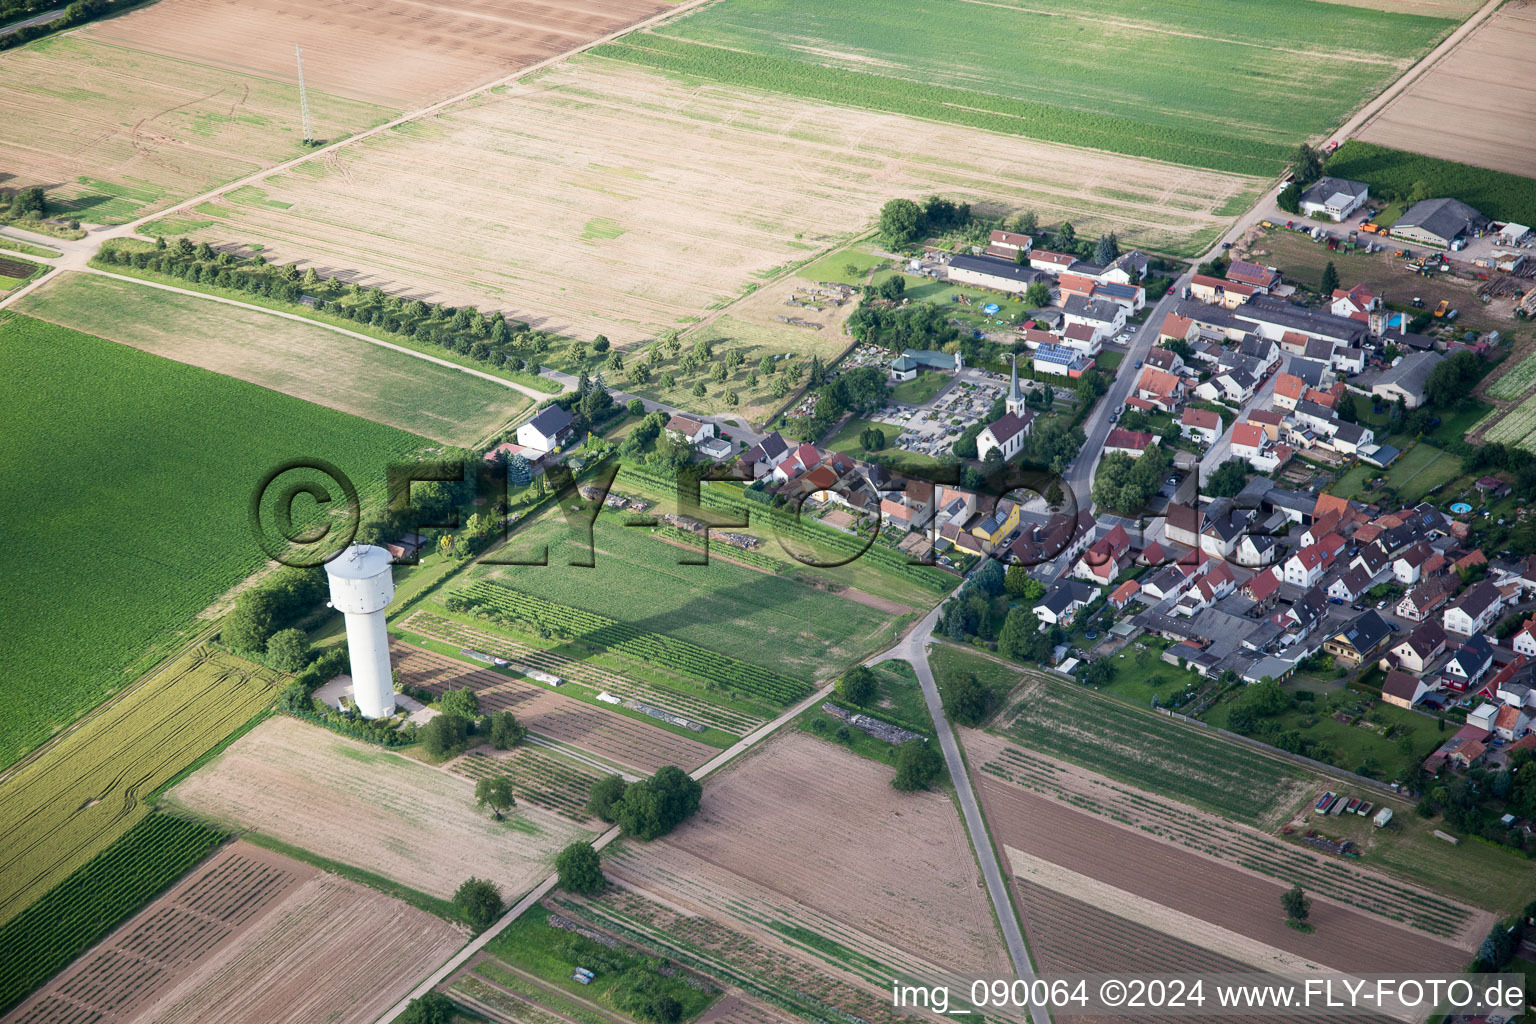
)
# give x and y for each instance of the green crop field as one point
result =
(78, 796)
(129, 480)
(296, 358)
(1150, 750)
(1516, 381)
(1228, 86)
(84, 907)
(636, 578)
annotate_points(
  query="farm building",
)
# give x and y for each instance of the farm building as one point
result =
(916, 360)
(1439, 222)
(1514, 234)
(1334, 198)
(991, 272)
(1406, 378)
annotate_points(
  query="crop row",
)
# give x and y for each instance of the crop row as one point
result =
(1214, 150)
(788, 524)
(50, 933)
(523, 656)
(536, 779)
(713, 668)
(1515, 383)
(1517, 427)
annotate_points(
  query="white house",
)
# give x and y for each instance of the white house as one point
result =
(548, 430)
(1201, 425)
(1103, 315)
(1334, 198)
(1475, 610)
(687, 428)
(1064, 601)
(1306, 566)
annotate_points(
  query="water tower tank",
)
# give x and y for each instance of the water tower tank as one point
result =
(362, 584)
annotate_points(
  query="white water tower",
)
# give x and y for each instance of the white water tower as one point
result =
(362, 584)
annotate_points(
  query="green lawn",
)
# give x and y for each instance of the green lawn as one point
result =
(834, 266)
(15, 272)
(900, 697)
(1141, 674)
(128, 483)
(951, 663)
(921, 389)
(1224, 91)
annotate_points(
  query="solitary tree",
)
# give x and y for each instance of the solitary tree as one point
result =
(580, 869)
(1330, 280)
(1296, 905)
(479, 901)
(900, 221)
(858, 686)
(969, 701)
(461, 702)
(917, 764)
(1038, 294)
(1307, 164)
(495, 792)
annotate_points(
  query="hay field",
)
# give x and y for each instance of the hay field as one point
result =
(1478, 104)
(298, 359)
(360, 805)
(251, 936)
(887, 874)
(394, 52)
(661, 199)
(117, 132)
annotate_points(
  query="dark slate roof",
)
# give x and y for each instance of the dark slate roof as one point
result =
(1265, 309)
(1309, 370)
(1091, 309)
(1366, 631)
(1325, 188)
(551, 420)
(996, 268)
(1444, 218)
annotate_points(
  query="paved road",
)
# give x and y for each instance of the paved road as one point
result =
(36, 19)
(913, 648)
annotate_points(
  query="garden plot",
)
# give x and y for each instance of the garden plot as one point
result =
(614, 737)
(1516, 426)
(1330, 877)
(394, 52)
(1477, 105)
(117, 132)
(375, 810)
(1177, 892)
(661, 199)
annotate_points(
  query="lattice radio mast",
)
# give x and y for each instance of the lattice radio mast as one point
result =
(309, 128)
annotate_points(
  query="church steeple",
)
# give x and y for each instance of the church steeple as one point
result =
(1015, 401)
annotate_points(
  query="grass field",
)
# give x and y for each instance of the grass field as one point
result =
(78, 911)
(1252, 96)
(778, 623)
(834, 266)
(80, 795)
(1153, 751)
(130, 482)
(298, 359)
(119, 132)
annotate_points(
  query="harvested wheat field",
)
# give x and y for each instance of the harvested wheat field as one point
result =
(614, 737)
(296, 358)
(250, 936)
(1478, 104)
(808, 834)
(1176, 892)
(394, 52)
(116, 132)
(361, 805)
(660, 199)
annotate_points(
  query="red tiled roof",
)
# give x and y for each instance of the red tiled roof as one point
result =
(1203, 418)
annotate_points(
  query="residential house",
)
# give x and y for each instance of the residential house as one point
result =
(1524, 641)
(1103, 315)
(991, 528)
(1289, 390)
(1265, 353)
(1258, 549)
(1359, 640)
(1202, 425)
(1128, 268)
(1263, 589)
(1348, 359)
(1422, 602)
(1475, 610)
(1467, 665)
(1306, 567)
(1359, 301)
(1408, 566)
(1418, 650)
(1162, 389)
(765, 456)
(1218, 292)
(1334, 198)
(548, 430)
(1127, 442)
(1087, 340)
(1130, 297)
(1165, 359)
(1052, 263)
(1259, 277)
(1063, 601)
(1347, 584)
(1123, 594)
(1062, 360)
(690, 429)
(1402, 689)
(1511, 723)
(1008, 244)
(1105, 557)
